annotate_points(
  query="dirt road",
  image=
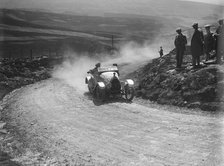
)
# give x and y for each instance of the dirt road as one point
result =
(55, 124)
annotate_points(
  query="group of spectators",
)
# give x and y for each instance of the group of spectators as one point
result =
(211, 44)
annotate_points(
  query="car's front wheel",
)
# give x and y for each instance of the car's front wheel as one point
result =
(90, 89)
(129, 93)
(99, 94)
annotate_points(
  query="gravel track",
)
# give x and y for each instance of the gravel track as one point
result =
(56, 120)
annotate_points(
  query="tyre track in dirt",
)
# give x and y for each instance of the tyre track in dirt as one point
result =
(64, 124)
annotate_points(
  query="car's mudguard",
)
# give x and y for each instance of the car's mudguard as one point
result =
(129, 82)
(101, 85)
(87, 79)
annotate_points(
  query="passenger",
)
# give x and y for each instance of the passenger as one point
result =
(161, 51)
(220, 41)
(197, 44)
(209, 42)
(95, 69)
(180, 45)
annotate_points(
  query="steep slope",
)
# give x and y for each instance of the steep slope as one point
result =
(159, 81)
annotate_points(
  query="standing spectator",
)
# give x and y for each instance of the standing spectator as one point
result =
(209, 42)
(197, 43)
(220, 41)
(161, 51)
(180, 44)
(220, 27)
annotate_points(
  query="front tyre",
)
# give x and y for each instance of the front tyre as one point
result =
(129, 93)
(90, 89)
(99, 94)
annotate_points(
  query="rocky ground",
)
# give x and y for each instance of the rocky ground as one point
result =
(15, 74)
(19, 72)
(187, 87)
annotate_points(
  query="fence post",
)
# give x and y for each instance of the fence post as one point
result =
(21, 52)
(112, 41)
(49, 53)
(31, 54)
(10, 54)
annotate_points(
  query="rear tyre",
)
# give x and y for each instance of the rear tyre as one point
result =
(129, 93)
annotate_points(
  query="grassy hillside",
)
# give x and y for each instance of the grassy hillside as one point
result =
(50, 27)
(100, 7)
(23, 31)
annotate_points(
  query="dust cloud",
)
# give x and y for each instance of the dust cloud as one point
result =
(132, 52)
(75, 66)
(74, 69)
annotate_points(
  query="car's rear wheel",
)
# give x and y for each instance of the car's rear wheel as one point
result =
(129, 93)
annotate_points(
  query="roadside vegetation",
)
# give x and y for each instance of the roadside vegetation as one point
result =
(202, 88)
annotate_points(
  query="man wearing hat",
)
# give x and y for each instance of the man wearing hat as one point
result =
(197, 44)
(180, 43)
(220, 41)
(209, 42)
(161, 51)
(219, 29)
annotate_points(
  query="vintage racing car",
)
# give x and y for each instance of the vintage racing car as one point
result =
(103, 82)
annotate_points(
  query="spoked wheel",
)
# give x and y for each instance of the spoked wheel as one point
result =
(99, 94)
(129, 93)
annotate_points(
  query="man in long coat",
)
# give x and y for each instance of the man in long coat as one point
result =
(197, 43)
(209, 42)
(180, 43)
(220, 41)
